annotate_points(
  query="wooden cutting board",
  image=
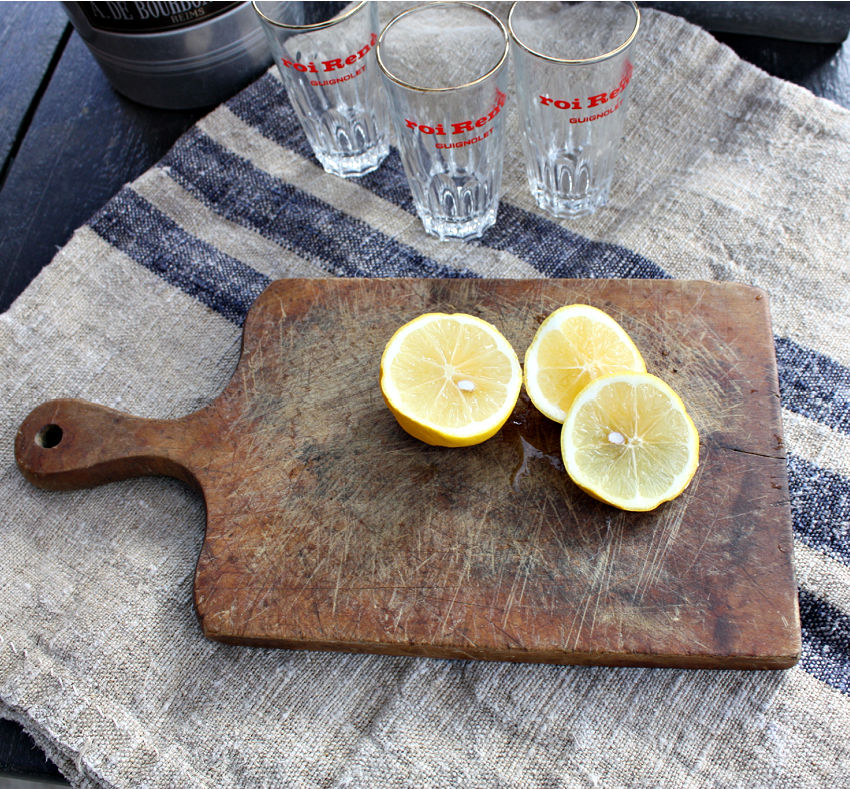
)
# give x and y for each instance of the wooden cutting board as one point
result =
(328, 527)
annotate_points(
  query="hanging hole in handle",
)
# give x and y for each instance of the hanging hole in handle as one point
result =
(49, 436)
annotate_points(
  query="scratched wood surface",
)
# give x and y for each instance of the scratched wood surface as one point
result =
(328, 527)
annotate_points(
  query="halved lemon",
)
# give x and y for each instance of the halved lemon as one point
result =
(450, 380)
(573, 346)
(628, 440)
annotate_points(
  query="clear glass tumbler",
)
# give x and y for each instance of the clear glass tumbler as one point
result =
(572, 68)
(325, 54)
(444, 66)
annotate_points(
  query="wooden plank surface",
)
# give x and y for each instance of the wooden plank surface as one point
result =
(328, 527)
(85, 141)
(22, 758)
(30, 34)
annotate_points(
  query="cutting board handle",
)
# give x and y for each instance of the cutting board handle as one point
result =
(67, 443)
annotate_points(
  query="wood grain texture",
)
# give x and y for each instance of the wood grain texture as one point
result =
(328, 527)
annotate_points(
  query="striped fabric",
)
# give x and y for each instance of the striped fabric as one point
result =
(725, 174)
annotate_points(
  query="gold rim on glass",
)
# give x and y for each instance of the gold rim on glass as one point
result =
(316, 26)
(480, 79)
(594, 59)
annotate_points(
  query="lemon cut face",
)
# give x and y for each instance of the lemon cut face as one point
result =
(628, 441)
(573, 346)
(450, 380)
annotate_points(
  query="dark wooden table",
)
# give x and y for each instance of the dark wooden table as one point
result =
(68, 142)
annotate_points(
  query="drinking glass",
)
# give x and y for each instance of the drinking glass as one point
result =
(325, 54)
(573, 69)
(444, 69)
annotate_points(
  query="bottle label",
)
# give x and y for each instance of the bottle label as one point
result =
(151, 17)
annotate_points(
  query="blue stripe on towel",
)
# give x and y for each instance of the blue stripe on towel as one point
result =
(820, 503)
(264, 106)
(826, 641)
(556, 252)
(248, 196)
(813, 385)
(131, 224)
(390, 183)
